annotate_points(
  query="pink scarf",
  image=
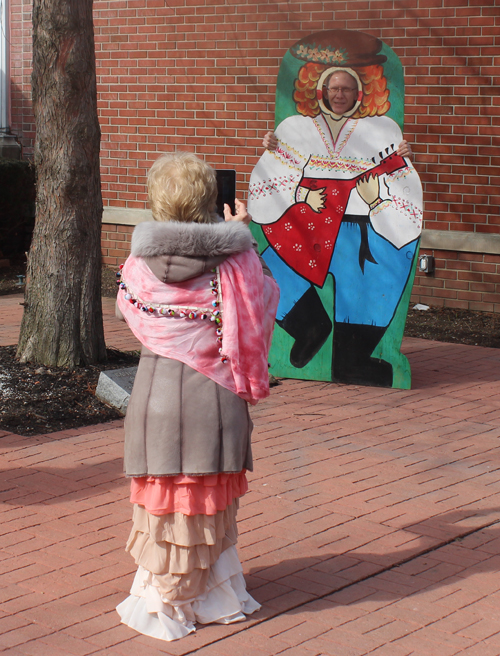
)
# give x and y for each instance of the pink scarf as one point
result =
(230, 346)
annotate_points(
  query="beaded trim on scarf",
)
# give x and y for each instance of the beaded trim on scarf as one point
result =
(160, 310)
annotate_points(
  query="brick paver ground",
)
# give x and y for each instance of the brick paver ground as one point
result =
(371, 525)
(11, 311)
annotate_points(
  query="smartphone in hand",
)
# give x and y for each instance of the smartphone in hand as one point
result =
(226, 189)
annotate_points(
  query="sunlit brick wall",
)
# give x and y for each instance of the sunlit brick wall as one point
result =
(200, 75)
(22, 123)
(115, 244)
(469, 281)
(188, 75)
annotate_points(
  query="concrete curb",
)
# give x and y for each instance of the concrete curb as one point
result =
(115, 386)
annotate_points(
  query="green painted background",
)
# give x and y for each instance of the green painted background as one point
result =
(290, 66)
(389, 348)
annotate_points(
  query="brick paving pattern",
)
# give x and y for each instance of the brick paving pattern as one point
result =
(371, 525)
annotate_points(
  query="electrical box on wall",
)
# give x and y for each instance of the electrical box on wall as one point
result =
(426, 263)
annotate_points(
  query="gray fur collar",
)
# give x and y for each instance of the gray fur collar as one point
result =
(154, 238)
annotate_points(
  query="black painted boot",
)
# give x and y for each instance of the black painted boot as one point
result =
(353, 345)
(309, 324)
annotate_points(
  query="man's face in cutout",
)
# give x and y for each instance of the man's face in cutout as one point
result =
(341, 92)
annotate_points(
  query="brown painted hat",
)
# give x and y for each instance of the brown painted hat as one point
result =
(343, 48)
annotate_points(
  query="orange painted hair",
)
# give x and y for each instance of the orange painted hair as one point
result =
(375, 101)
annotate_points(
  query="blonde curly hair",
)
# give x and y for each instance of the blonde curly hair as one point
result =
(182, 187)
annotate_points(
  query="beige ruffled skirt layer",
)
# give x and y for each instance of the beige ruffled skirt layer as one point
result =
(189, 572)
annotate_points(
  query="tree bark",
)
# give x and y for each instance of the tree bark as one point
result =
(62, 321)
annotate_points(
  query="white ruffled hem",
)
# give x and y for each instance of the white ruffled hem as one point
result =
(225, 601)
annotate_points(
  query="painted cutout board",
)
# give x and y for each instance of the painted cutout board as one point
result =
(338, 213)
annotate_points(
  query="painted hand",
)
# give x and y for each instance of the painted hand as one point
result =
(241, 212)
(368, 188)
(316, 199)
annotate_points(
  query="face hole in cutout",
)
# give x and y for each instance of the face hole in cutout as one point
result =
(339, 105)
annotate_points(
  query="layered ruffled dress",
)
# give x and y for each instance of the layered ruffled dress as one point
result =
(197, 299)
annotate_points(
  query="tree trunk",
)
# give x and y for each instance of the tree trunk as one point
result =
(62, 322)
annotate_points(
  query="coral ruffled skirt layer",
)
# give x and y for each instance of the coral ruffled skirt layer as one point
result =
(190, 495)
(183, 540)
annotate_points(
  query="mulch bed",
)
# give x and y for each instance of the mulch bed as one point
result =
(36, 399)
(455, 326)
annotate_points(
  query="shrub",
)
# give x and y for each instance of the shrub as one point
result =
(17, 207)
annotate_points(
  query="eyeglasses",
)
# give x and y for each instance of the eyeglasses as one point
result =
(342, 90)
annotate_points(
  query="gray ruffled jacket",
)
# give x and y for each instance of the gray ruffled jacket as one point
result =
(178, 420)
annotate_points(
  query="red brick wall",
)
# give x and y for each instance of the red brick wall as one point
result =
(23, 124)
(115, 244)
(470, 281)
(199, 75)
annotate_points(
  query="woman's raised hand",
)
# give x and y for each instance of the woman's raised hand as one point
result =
(241, 213)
